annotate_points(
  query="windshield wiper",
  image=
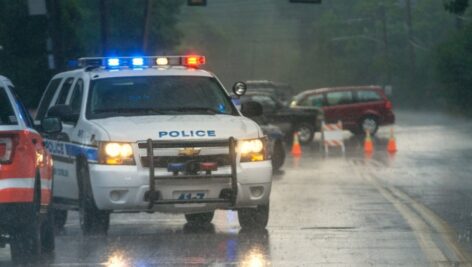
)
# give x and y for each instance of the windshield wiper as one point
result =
(129, 110)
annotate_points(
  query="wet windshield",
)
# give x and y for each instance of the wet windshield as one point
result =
(157, 95)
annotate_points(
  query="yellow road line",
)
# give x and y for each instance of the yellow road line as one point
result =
(442, 227)
(418, 216)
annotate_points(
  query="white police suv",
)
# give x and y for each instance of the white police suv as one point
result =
(154, 134)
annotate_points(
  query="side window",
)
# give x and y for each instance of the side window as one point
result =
(266, 102)
(24, 114)
(313, 101)
(7, 115)
(368, 96)
(66, 86)
(47, 97)
(76, 98)
(339, 98)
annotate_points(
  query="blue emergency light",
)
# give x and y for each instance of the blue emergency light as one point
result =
(191, 61)
(113, 62)
(175, 168)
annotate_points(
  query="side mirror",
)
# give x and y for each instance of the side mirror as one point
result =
(239, 88)
(63, 112)
(51, 125)
(251, 109)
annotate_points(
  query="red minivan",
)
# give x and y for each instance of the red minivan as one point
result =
(360, 108)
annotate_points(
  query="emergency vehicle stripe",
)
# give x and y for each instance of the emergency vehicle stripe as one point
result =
(74, 150)
(23, 183)
(63, 149)
(22, 190)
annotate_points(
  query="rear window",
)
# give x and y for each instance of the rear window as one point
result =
(7, 115)
(339, 98)
(368, 96)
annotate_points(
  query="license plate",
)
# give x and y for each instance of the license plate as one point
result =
(193, 195)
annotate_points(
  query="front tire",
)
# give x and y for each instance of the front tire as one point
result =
(200, 218)
(278, 156)
(254, 218)
(92, 220)
(48, 242)
(25, 244)
(60, 218)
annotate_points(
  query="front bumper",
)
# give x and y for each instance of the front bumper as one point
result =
(125, 188)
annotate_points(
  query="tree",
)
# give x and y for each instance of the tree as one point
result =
(74, 26)
(457, 7)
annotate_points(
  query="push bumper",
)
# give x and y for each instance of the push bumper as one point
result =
(129, 188)
(126, 189)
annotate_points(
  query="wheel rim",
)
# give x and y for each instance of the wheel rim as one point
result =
(369, 124)
(304, 133)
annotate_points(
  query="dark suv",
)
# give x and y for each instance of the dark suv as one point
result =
(360, 108)
(305, 121)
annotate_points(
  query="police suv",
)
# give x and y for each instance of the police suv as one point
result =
(154, 134)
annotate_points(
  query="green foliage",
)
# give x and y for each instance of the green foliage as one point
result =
(24, 55)
(456, 6)
(23, 58)
(454, 66)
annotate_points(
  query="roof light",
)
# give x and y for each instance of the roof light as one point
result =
(193, 61)
(162, 61)
(138, 62)
(113, 62)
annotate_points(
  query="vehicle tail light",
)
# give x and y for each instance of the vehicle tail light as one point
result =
(388, 105)
(7, 147)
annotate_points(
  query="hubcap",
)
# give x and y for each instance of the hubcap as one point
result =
(369, 125)
(304, 134)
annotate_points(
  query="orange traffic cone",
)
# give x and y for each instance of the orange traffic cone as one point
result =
(392, 144)
(296, 148)
(368, 145)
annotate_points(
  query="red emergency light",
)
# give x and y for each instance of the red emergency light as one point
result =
(193, 61)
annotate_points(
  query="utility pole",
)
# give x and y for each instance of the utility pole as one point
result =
(104, 26)
(383, 17)
(55, 44)
(147, 24)
(412, 55)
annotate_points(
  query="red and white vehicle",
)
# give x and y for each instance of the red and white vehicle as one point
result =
(26, 175)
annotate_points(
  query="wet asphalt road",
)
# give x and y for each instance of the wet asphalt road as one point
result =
(410, 209)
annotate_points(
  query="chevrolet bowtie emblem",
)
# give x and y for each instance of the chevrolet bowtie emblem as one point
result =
(189, 151)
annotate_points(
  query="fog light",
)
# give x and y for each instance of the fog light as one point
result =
(257, 191)
(115, 195)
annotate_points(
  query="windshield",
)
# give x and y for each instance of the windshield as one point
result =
(157, 95)
(7, 115)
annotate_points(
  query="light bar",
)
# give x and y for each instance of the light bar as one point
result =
(192, 61)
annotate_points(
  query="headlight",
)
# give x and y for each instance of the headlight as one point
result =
(253, 149)
(116, 153)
